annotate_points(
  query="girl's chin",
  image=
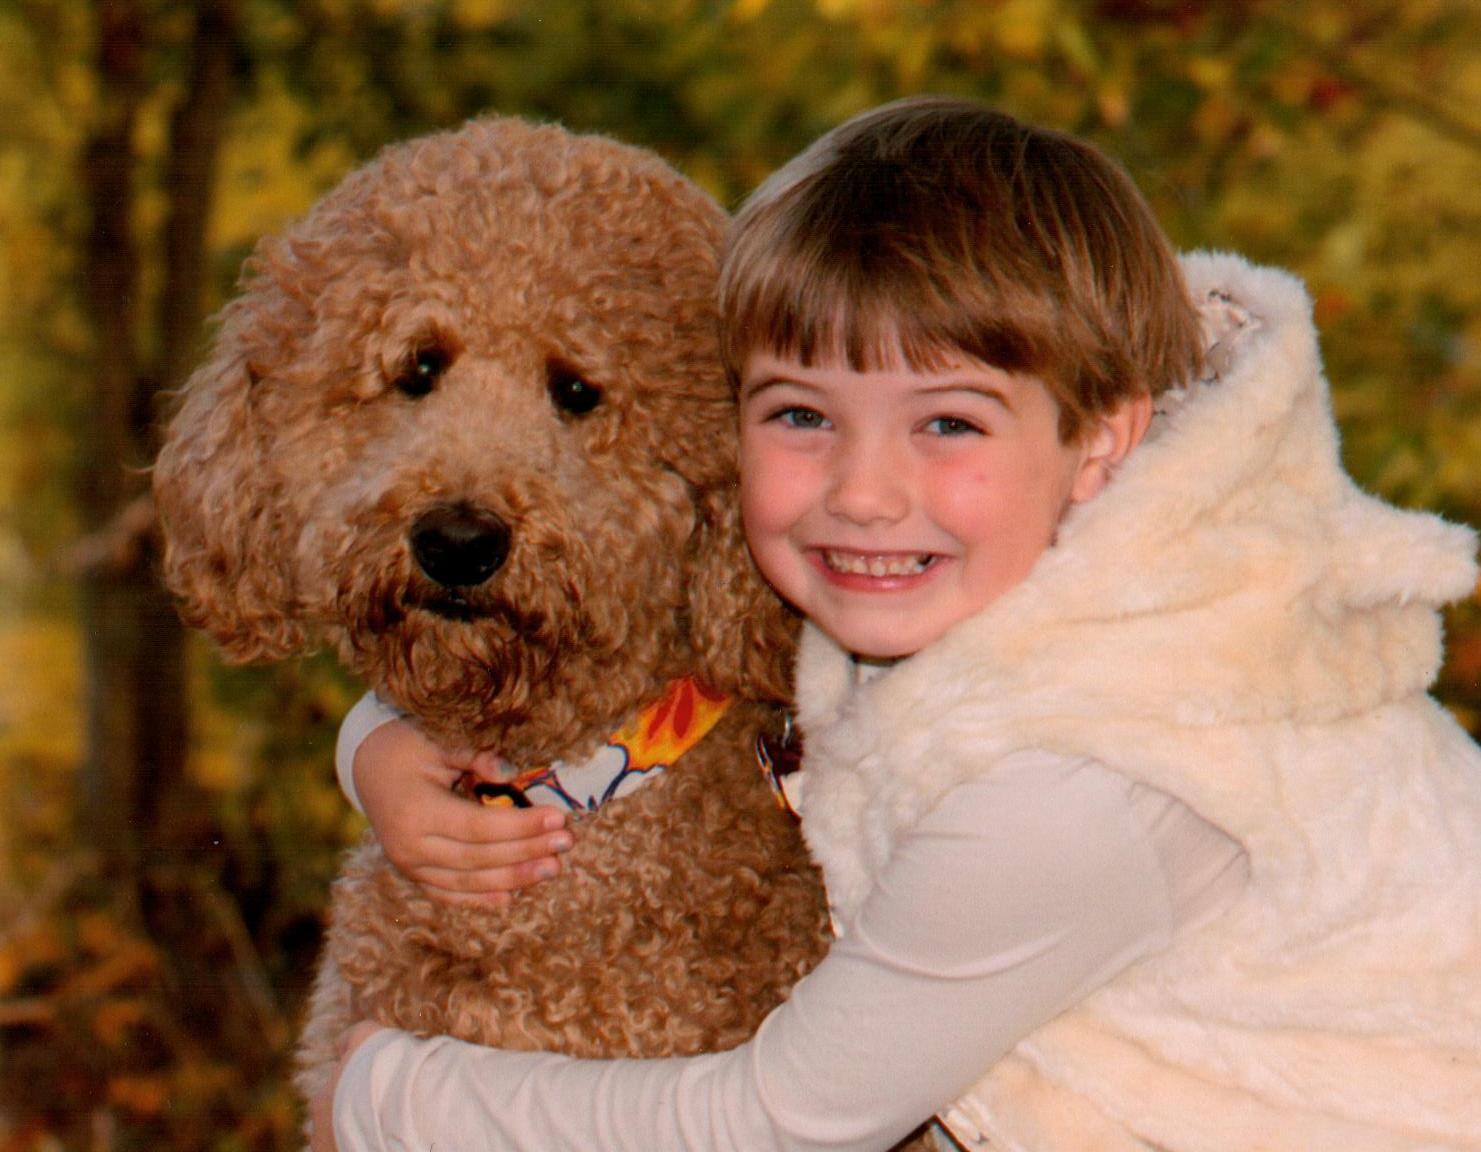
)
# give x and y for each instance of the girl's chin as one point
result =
(873, 642)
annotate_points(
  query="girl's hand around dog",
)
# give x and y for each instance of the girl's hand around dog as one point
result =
(460, 852)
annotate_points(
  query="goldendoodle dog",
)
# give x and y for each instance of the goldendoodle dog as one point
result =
(466, 423)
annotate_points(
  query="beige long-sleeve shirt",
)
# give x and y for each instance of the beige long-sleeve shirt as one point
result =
(1019, 894)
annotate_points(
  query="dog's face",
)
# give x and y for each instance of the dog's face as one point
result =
(467, 422)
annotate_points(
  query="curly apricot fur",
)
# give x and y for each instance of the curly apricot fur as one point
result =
(290, 480)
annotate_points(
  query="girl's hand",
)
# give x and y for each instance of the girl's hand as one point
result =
(321, 1107)
(459, 851)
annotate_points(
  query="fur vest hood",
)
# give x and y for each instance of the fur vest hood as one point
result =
(1234, 622)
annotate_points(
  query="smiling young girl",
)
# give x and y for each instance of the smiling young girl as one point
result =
(1139, 828)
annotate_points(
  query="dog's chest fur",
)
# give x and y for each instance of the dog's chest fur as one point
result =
(687, 911)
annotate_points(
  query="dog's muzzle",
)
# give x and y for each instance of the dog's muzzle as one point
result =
(458, 545)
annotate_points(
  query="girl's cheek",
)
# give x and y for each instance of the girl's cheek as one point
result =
(760, 497)
(962, 488)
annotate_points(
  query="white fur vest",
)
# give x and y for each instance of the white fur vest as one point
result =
(1234, 622)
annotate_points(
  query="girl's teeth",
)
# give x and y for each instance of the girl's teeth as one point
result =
(876, 565)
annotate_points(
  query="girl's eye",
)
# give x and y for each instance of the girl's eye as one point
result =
(952, 426)
(421, 371)
(801, 418)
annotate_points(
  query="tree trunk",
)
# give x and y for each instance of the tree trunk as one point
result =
(133, 780)
(110, 271)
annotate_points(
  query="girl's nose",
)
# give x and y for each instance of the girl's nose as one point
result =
(867, 485)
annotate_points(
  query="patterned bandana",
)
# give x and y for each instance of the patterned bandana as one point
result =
(637, 751)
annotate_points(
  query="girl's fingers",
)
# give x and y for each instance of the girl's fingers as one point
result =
(476, 824)
(483, 856)
(447, 883)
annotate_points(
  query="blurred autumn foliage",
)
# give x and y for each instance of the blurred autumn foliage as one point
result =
(168, 826)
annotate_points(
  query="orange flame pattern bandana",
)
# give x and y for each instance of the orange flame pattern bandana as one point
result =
(643, 747)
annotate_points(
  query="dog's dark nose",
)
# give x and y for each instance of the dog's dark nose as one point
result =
(459, 546)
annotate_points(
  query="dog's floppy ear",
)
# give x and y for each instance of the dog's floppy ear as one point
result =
(745, 636)
(220, 508)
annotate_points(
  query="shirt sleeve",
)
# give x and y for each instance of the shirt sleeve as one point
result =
(368, 714)
(1019, 895)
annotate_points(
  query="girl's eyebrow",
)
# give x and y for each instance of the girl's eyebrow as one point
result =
(750, 388)
(986, 391)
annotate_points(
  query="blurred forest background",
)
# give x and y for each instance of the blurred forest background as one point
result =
(168, 826)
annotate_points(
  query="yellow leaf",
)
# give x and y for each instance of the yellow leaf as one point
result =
(1022, 29)
(1112, 104)
(1072, 40)
(479, 15)
(1210, 73)
(748, 9)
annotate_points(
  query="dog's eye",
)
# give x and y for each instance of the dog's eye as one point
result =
(569, 392)
(422, 369)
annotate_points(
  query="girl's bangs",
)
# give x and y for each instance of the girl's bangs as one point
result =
(877, 318)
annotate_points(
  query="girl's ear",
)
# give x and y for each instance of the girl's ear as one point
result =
(1110, 441)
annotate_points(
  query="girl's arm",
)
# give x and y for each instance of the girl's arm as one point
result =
(1017, 897)
(369, 714)
(457, 850)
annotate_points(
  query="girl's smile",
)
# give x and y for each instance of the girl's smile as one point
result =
(863, 570)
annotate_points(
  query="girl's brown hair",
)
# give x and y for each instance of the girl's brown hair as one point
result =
(933, 228)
